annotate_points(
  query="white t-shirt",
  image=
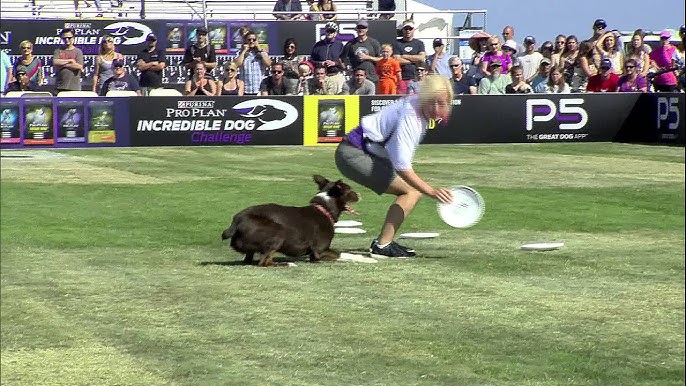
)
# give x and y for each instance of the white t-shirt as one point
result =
(530, 63)
(401, 126)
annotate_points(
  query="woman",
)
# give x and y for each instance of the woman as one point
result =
(378, 154)
(608, 47)
(632, 80)
(479, 44)
(663, 63)
(229, 83)
(637, 52)
(584, 68)
(34, 66)
(558, 49)
(568, 58)
(556, 83)
(200, 84)
(327, 6)
(518, 85)
(290, 61)
(547, 49)
(103, 62)
(495, 51)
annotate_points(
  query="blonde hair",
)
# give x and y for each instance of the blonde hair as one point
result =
(386, 45)
(434, 86)
(26, 42)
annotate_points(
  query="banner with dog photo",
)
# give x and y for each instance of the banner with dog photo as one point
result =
(170, 121)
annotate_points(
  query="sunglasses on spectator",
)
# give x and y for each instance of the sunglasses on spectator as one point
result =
(25, 47)
(291, 46)
(629, 67)
(277, 72)
(455, 65)
(230, 70)
(67, 37)
(408, 28)
(117, 66)
(360, 27)
(560, 42)
(604, 68)
(493, 44)
(251, 39)
(360, 75)
(330, 30)
(21, 73)
(321, 73)
(109, 40)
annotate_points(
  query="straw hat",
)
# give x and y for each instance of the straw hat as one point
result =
(474, 40)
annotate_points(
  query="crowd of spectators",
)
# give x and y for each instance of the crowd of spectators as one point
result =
(366, 66)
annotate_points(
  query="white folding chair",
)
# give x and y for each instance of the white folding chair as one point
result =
(78, 94)
(165, 92)
(28, 94)
(121, 93)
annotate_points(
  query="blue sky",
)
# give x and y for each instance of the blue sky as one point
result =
(544, 19)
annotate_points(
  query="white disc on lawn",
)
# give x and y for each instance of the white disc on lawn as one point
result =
(347, 223)
(465, 210)
(356, 258)
(542, 246)
(349, 230)
(419, 235)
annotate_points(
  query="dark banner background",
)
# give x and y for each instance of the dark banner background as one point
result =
(173, 36)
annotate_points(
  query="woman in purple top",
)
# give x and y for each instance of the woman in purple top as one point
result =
(632, 80)
(495, 52)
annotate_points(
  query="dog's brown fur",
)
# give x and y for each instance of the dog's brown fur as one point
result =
(293, 231)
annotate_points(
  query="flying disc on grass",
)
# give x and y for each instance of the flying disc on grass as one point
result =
(542, 246)
(419, 235)
(348, 230)
(347, 223)
(465, 210)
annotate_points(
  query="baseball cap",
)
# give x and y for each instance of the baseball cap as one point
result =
(546, 61)
(665, 34)
(151, 37)
(495, 62)
(331, 26)
(438, 42)
(600, 23)
(529, 39)
(606, 63)
(118, 63)
(408, 23)
(22, 69)
(511, 44)
(201, 31)
(363, 23)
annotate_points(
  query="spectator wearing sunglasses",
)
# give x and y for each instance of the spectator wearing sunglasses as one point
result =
(462, 83)
(559, 46)
(67, 61)
(34, 66)
(495, 52)
(662, 59)
(103, 62)
(229, 83)
(605, 80)
(274, 84)
(599, 29)
(22, 82)
(632, 80)
(253, 61)
(539, 82)
(120, 80)
(547, 49)
(410, 53)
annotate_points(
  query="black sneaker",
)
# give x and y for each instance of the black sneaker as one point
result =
(406, 249)
(390, 250)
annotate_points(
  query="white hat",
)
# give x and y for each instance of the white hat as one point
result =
(511, 44)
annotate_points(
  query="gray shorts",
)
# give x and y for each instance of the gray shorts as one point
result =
(373, 171)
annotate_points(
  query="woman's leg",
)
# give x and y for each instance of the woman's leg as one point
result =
(407, 198)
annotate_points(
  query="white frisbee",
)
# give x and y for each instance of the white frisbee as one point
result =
(465, 210)
(419, 235)
(542, 246)
(347, 230)
(347, 223)
(356, 258)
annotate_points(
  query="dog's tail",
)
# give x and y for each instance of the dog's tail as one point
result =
(230, 231)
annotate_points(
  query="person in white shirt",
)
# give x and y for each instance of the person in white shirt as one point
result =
(378, 154)
(530, 60)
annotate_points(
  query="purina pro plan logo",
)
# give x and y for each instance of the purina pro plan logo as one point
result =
(544, 115)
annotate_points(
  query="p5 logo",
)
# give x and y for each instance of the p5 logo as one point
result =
(346, 31)
(668, 113)
(569, 113)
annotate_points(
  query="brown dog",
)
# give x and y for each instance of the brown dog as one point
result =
(293, 231)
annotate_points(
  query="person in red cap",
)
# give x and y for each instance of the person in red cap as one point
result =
(661, 61)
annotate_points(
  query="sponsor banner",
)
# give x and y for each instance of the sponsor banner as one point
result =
(669, 117)
(170, 121)
(38, 122)
(329, 117)
(101, 127)
(70, 121)
(10, 117)
(526, 118)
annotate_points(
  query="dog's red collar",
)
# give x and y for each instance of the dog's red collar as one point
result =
(325, 211)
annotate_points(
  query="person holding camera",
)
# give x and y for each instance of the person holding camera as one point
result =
(254, 62)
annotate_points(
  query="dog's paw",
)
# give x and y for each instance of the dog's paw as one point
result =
(356, 258)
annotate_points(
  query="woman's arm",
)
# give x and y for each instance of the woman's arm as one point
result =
(96, 73)
(241, 87)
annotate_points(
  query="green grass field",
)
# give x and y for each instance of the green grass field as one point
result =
(113, 272)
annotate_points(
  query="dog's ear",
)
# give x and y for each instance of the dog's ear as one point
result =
(320, 181)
